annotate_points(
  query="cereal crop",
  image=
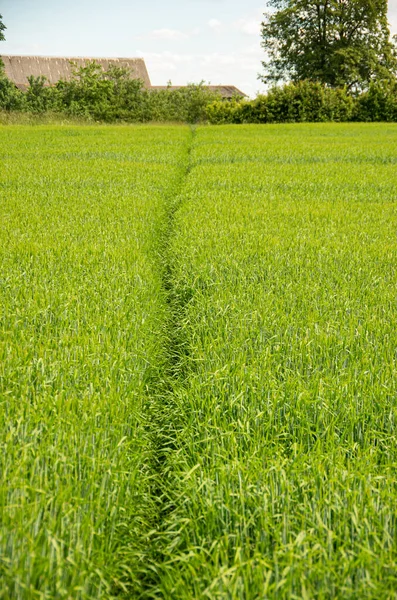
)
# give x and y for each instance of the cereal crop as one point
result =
(198, 362)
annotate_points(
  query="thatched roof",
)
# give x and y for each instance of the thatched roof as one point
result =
(19, 68)
(225, 91)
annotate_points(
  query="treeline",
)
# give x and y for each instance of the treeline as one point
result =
(112, 96)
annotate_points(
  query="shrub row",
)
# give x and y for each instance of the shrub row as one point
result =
(107, 96)
(309, 102)
(112, 95)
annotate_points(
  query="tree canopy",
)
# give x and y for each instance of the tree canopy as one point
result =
(335, 42)
(2, 28)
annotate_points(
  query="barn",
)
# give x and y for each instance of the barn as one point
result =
(19, 68)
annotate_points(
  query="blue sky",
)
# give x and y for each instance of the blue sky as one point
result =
(181, 40)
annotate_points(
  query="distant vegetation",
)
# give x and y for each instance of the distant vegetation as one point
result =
(307, 101)
(113, 96)
(108, 97)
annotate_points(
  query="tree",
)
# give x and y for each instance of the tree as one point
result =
(10, 97)
(2, 28)
(335, 42)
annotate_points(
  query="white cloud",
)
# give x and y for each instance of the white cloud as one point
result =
(215, 25)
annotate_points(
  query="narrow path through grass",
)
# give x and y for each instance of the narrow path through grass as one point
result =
(162, 411)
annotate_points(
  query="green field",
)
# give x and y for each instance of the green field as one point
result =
(198, 346)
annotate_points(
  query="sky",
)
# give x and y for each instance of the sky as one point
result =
(182, 41)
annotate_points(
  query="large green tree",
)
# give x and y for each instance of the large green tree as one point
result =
(2, 28)
(336, 42)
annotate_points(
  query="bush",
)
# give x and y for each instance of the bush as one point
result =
(98, 95)
(187, 104)
(40, 97)
(11, 98)
(292, 103)
(113, 95)
(379, 103)
(221, 112)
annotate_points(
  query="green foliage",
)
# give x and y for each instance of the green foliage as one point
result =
(220, 112)
(379, 103)
(99, 95)
(11, 98)
(40, 97)
(337, 42)
(113, 95)
(187, 104)
(304, 101)
(2, 29)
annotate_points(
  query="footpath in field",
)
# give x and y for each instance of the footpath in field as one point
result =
(198, 368)
(281, 478)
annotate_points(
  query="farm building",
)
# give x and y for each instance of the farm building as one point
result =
(19, 68)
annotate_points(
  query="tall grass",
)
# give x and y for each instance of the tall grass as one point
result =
(81, 328)
(283, 477)
(198, 362)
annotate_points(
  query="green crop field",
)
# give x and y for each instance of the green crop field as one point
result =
(198, 348)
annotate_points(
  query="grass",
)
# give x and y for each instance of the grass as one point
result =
(198, 353)
(283, 477)
(81, 324)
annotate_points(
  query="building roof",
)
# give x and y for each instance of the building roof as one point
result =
(19, 68)
(226, 91)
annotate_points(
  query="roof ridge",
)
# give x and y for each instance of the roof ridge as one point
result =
(67, 57)
(19, 67)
